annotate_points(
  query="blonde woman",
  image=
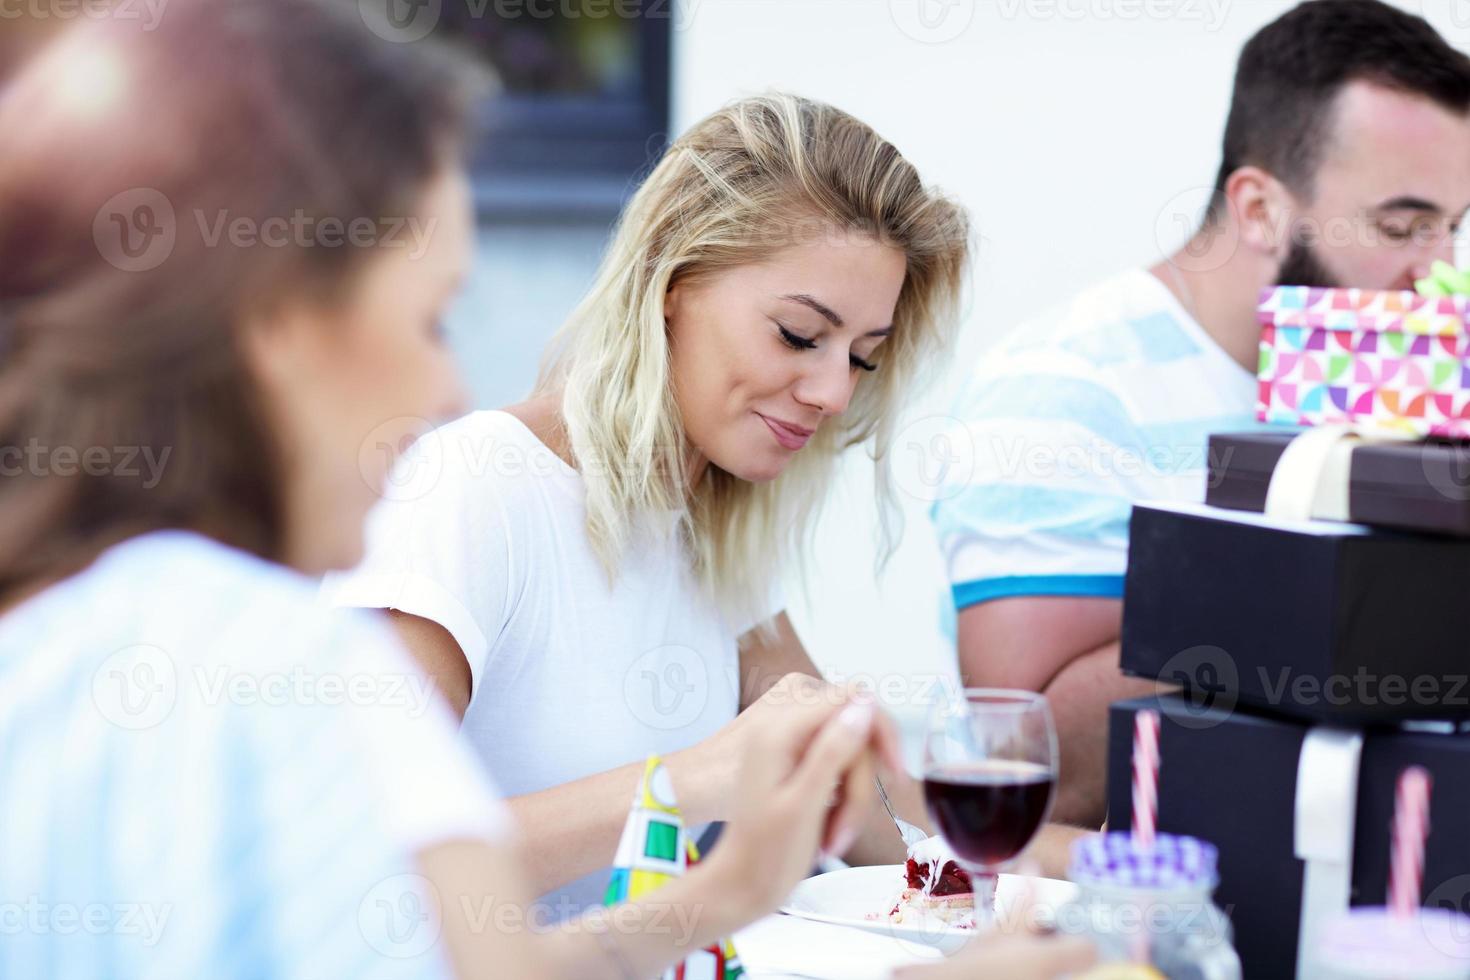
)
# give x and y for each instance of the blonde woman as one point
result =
(590, 574)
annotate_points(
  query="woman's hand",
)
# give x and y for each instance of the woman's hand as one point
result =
(805, 786)
(805, 779)
(715, 764)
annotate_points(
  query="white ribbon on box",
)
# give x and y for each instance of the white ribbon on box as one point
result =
(1324, 825)
(1311, 479)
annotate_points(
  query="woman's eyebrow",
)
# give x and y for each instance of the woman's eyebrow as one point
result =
(815, 304)
(830, 314)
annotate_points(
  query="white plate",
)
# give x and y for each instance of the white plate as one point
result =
(848, 897)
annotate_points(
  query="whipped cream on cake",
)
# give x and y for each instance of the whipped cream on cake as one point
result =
(937, 891)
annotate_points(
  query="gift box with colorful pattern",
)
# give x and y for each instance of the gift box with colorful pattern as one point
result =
(1386, 359)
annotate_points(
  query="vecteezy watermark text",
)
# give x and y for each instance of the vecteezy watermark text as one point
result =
(1363, 688)
(150, 12)
(37, 459)
(138, 687)
(401, 916)
(1211, 13)
(138, 229)
(36, 917)
(407, 21)
(1212, 685)
(302, 230)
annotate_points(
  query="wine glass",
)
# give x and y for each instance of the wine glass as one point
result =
(990, 769)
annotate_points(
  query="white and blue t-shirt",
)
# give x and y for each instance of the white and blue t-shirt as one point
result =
(1076, 416)
(205, 774)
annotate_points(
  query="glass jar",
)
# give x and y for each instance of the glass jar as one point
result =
(1373, 944)
(1151, 905)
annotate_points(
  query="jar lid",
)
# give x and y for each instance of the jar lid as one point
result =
(1117, 860)
(1371, 942)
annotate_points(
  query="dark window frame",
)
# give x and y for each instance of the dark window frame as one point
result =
(555, 156)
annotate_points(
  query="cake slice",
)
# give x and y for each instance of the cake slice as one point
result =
(937, 891)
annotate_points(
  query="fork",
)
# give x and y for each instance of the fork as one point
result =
(911, 834)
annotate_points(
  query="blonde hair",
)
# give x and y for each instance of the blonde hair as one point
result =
(758, 176)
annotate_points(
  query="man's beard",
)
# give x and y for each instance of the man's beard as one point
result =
(1303, 268)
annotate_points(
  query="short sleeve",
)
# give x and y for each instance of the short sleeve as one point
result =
(768, 606)
(438, 544)
(336, 778)
(1043, 506)
(433, 789)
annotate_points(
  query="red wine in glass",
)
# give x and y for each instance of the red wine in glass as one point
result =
(990, 762)
(988, 811)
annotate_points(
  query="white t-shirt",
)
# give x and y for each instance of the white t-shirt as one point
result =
(1105, 401)
(483, 531)
(205, 774)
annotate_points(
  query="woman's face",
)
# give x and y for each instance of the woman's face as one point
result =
(764, 354)
(350, 387)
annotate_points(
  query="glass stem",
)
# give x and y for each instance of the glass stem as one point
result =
(984, 885)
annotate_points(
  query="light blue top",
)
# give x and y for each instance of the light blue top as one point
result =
(1076, 416)
(203, 774)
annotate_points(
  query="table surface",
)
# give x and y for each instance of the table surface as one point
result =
(783, 947)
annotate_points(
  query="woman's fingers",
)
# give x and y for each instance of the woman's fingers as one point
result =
(888, 743)
(775, 745)
(816, 699)
(837, 746)
(825, 744)
(856, 800)
(886, 740)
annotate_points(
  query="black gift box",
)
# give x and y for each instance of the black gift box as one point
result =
(1231, 777)
(1423, 486)
(1315, 619)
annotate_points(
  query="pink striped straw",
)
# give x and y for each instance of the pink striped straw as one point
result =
(1145, 777)
(1406, 854)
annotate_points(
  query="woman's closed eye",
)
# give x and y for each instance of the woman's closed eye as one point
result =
(794, 340)
(797, 342)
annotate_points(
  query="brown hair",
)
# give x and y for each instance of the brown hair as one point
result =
(120, 300)
(1291, 72)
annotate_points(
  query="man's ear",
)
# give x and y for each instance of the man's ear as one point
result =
(1263, 211)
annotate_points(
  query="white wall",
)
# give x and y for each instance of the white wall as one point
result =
(1076, 131)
